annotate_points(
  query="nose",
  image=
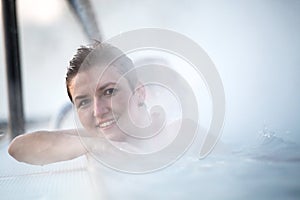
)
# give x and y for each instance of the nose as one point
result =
(101, 108)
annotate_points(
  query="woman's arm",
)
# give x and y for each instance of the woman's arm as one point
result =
(44, 147)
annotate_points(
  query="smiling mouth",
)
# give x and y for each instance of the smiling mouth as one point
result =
(107, 124)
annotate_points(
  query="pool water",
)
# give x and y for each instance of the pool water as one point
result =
(267, 169)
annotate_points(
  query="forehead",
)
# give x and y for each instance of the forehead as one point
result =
(93, 78)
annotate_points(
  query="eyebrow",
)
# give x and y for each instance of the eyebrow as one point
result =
(106, 85)
(77, 98)
(80, 97)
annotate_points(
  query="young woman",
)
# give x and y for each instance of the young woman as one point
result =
(109, 100)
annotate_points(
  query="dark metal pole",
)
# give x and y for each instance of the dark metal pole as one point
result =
(84, 11)
(13, 68)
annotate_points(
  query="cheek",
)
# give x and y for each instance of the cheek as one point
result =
(86, 118)
(120, 102)
(132, 107)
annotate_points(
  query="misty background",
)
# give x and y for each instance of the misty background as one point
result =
(255, 46)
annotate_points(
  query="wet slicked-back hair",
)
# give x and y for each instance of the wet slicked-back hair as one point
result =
(100, 55)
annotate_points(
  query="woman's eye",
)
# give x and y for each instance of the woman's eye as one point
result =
(83, 103)
(110, 92)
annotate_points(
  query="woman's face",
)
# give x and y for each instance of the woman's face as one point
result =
(102, 98)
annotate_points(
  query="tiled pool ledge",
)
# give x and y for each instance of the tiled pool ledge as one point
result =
(62, 180)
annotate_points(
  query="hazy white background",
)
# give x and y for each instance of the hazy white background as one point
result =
(255, 46)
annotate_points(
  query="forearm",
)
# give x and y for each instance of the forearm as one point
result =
(43, 147)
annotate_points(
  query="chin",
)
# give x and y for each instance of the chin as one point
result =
(116, 137)
(114, 134)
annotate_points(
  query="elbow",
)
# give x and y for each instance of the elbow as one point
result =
(17, 151)
(14, 147)
(11, 150)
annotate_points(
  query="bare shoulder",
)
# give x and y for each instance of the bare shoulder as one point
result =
(187, 124)
(199, 136)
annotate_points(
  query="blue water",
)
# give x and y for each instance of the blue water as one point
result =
(267, 169)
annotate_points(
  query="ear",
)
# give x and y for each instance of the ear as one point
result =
(140, 92)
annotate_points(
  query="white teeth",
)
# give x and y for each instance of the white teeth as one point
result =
(105, 124)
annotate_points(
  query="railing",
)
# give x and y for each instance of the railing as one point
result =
(84, 13)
